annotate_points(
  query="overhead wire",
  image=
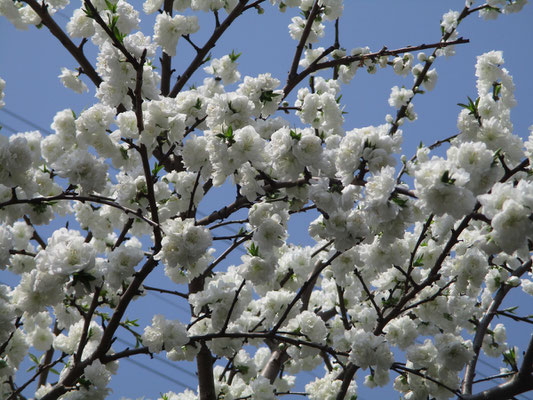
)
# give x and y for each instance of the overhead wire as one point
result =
(26, 121)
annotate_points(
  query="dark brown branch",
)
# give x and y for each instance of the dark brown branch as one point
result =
(233, 303)
(361, 58)
(225, 254)
(174, 292)
(303, 39)
(86, 324)
(75, 51)
(483, 325)
(369, 294)
(305, 290)
(124, 354)
(400, 368)
(107, 338)
(346, 376)
(42, 368)
(190, 210)
(342, 306)
(522, 382)
(35, 236)
(82, 199)
(123, 233)
(166, 60)
(96, 16)
(202, 53)
(48, 359)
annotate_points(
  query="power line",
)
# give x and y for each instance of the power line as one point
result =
(163, 360)
(8, 127)
(156, 372)
(27, 121)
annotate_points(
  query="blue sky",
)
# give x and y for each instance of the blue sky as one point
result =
(31, 62)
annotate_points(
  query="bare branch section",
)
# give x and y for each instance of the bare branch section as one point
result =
(82, 199)
(75, 51)
(204, 51)
(314, 67)
(483, 325)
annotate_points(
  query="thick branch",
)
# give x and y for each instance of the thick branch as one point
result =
(483, 325)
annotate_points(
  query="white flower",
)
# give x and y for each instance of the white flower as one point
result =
(97, 374)
(80, 25)
(368, 350)
(70, 79)
(453, 351)
(183, 243)
(84, 169)
(164, 333)
(488, 66)
(262, 389)
(450, 20)
(167, 30)
(66, 253)
(151, 6)
(311, 325)
(269, 234)
(6, 244)
(401, 332)
(400, 97)
(2, 94)
(224, 68)
(332, 8)
(297, 26)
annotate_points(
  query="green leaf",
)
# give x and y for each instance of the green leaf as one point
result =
(446, 178)
(84, 278)
(124, 153)
(243, 369)
(207, 59)
(268, 95)
(496, 90)
(253, 250)
(472, 106)
(111, 6)
(88, 13)
(509, 358)
(84, 382)
(133, 322)
(156, 169)
(233, 57)
(39, 208)
(227, 136)
(295, 136)
(418, 262)
(399, 201)
(34, 358)
(198, 104)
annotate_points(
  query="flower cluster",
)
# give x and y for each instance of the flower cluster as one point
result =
(401, 270)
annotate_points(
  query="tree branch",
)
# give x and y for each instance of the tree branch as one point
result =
(75, 51)
(483, 325)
